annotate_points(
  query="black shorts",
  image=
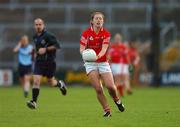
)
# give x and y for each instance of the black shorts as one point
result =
(24, 70)
(46, 69)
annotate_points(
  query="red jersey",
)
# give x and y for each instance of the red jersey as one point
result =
(132, 54)
(118, 53)
(94, 41)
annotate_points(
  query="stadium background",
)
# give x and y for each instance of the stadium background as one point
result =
(67, 18)
(146, 107)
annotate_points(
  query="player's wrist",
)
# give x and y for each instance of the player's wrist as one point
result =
(98, 56)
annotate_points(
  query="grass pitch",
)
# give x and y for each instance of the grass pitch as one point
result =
(147, 107)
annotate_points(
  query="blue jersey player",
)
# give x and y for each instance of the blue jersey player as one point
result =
(24, 50)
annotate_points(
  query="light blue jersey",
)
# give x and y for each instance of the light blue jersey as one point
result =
(24, 55)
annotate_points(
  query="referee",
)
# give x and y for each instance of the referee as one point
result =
(46, 45)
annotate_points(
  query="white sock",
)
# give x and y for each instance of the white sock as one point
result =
(118, 102)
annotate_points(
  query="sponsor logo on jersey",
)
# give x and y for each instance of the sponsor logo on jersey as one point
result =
(43, 42)
(91, 38)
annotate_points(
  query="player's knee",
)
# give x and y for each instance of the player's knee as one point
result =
(99, 90)
(36, 82)
(111, 88)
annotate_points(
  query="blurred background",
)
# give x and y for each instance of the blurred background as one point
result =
(154, 25)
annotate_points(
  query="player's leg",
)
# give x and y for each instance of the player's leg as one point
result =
(58, 83)
(127, 83)
(21, 71)
(93, 75)
(119, 85)
(106, 74)
(36, 87)
(25, 71)
(109, 82)
(116, 71)
(35, 91)
(38, 72)
(25, 88)
(49, 73)
(26, 84)
(126, 77)
(95, 81)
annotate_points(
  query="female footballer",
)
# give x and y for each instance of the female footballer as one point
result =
(97, 38)
(25, 51)
(119, 59)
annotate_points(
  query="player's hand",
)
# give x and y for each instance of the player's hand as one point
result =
(96, 57)
(42, 51)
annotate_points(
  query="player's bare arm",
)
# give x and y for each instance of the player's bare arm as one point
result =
(103, 50)
(82, 48)
(136, 61)
(17, 47)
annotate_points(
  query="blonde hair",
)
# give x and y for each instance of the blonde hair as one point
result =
(24, 37)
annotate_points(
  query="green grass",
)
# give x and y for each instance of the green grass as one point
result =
(147, 107)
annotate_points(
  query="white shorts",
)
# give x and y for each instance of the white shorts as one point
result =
(119, 68)
(102, 67)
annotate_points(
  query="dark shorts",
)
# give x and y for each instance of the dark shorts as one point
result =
(24, 70)
(46, 69)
